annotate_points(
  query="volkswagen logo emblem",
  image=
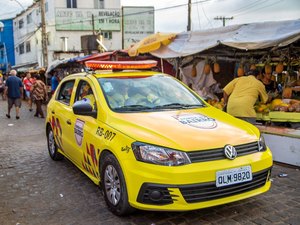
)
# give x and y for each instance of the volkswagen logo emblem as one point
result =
(230, 152)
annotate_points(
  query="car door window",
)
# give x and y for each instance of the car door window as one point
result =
(65, 92)
(84, 91)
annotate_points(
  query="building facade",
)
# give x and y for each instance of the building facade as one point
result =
(67, 21)
(7, 54)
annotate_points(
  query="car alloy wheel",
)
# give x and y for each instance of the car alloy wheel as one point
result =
(52, 147)
(112, 185)
(51, 143)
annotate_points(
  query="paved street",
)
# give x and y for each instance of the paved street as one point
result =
(35, 190)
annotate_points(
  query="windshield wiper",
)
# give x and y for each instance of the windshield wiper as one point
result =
(133, 108)
(178, 106)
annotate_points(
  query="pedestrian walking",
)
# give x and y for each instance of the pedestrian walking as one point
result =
(14, 93)
(28, 82)
(39, 95)
(54, 82)
(2, 86)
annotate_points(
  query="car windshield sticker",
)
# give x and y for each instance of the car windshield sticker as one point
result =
(107, 87)
(197, 120)
(78, 130)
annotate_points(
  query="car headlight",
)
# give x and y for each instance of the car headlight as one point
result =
(262, 144)
(159, 155)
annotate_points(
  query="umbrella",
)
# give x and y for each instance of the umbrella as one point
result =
(151, 43)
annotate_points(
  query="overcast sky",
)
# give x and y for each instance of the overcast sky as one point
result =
(171, 15)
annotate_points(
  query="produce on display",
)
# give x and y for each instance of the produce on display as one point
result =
(285, 105)
(206, 67)
(194, 70)
(268, 67)
(279, 67)
(216, 65)
(241, 71)
(217, 104)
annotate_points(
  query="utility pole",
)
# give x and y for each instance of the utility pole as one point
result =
(93, 23)
(223, 18)
(44, 35)
(189, 15)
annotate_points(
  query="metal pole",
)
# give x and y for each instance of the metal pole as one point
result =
(189, 15)
(93, 23)
(44, 35)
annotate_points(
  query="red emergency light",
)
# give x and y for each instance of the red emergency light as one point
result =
(121, 65)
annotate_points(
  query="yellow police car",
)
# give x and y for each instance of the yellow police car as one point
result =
(151, 143)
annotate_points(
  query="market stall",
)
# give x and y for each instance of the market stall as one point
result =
(209, 59)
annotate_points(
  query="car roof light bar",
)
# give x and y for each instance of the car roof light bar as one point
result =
(120, 65)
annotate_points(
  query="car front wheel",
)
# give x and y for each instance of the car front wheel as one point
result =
(114, 186)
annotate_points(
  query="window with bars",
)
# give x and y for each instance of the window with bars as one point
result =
(29, 18)
(107, 35)
(21, 49)
(21, 23)
(28, 47)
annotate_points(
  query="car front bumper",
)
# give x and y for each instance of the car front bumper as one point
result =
(193, 186)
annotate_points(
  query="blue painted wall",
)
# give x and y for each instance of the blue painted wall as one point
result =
(7, 43)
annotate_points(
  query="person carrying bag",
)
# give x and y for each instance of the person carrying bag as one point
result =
(39, 95)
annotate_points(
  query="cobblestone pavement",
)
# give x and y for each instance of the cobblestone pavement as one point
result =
(35, 190)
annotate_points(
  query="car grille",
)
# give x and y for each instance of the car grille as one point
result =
(209, 191)
(218, 153)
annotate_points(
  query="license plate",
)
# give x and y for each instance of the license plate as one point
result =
(233, 176)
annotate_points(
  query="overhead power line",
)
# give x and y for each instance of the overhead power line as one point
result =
(261, 7)
(131, 14)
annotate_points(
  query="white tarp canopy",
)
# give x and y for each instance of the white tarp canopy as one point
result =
(251, 36)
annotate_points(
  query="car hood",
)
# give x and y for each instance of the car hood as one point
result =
(195, 129)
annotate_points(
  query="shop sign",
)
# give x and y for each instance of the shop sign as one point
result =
(81, 19)
(138, 23)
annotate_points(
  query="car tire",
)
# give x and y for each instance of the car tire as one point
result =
(114, 186)
(52, 147)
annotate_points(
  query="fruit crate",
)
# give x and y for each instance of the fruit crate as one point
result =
(293, 117)
(262, 116)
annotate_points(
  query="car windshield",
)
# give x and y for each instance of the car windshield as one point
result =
(147, 93)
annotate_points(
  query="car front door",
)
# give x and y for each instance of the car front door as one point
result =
(85, 153)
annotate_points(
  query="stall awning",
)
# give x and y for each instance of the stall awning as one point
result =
(25, 66)
(246, 37)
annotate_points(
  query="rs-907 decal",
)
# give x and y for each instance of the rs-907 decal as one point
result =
(107, 134)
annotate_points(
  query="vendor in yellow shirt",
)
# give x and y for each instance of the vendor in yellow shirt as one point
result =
(241, 94)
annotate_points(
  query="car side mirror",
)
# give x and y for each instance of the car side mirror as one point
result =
(84, 108)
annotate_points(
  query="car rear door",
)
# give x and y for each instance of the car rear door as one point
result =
(61, 117)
